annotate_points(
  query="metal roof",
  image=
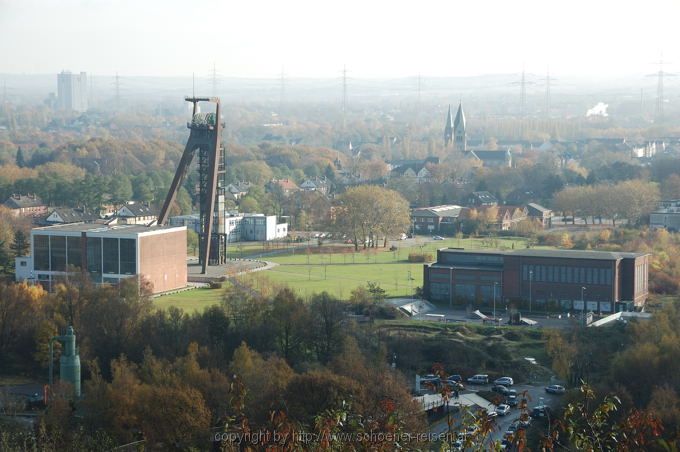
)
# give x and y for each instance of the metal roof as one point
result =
(561, 254)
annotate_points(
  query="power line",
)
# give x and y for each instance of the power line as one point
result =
(214, 79)
(117, 88)
(283, 91)
(344, 98)
(659, 109)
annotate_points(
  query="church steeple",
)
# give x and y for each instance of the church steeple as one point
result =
(460, 137)
(448, 129)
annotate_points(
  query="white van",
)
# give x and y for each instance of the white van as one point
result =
(479, 379)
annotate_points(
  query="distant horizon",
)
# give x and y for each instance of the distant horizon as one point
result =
(308, 39)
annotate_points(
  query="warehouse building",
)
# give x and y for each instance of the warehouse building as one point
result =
(568, 279)
(108, 253)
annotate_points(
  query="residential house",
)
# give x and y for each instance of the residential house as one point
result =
(26, 205)
(495, 159)
(318, 184)
(541, 214)
(416, 169)
(136, 213)
(68, 215)
(509, 216)
(288, 186)
(437, 219)
(238, 190)
(481, 198)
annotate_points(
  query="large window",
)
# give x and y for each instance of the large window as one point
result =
(41, 249)
(94, 258)
(75, 252)
(439, 291)
(58, 253)
(466, 291)
(128, 257)
(110, 256)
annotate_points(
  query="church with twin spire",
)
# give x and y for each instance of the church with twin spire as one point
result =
(454, 131)
(455, 136)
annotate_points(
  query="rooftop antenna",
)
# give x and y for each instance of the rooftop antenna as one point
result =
(193, 84)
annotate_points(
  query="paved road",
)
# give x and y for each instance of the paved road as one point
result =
(535, 395)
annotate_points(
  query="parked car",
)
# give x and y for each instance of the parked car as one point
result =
(455, 377)
(512, 429)
(429, 378)
(502, 409)
(511, 392)
(502, 390)
(540, 411)
(505, 381)
(437, 237)
(479, 379)
(555, 389)
(491, 415)
(511, 400)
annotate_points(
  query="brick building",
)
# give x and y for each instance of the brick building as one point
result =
(108, 253)
(605, 281)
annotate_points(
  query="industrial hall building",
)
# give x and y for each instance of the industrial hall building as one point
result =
(566, 279)
(108, 253)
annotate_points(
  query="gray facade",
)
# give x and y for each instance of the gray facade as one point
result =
(72, 91)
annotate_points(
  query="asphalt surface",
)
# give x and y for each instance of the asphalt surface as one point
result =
(534, 394)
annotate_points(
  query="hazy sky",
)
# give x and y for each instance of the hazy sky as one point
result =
(374, 38)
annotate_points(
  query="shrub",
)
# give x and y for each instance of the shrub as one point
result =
(419, 257)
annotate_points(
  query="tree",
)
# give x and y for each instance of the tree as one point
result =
(20, 245)
(20, 161)
(192, 241)
(367, 212)
(596, 428)
(120, 188)
(5, 259)
(377, 292)
(290, 321)
(327, 316)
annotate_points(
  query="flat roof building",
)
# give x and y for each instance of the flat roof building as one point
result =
(604, 281)
(107, 254)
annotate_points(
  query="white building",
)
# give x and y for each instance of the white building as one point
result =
(72, 91)
(666, 216)
(240, 227)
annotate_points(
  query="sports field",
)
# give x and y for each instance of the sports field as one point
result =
(338, 270)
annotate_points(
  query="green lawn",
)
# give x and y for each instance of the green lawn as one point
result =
(190, 300)
(340, 273)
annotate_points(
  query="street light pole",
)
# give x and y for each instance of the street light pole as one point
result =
(584, 305)
(531, 277)
(494, 303)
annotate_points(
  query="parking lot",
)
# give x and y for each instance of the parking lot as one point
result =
(534, 394)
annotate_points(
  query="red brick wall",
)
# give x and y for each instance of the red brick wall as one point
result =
(163, 260)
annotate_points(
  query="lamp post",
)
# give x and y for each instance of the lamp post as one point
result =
(494, 303)
(531, 277)
(584, 305)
